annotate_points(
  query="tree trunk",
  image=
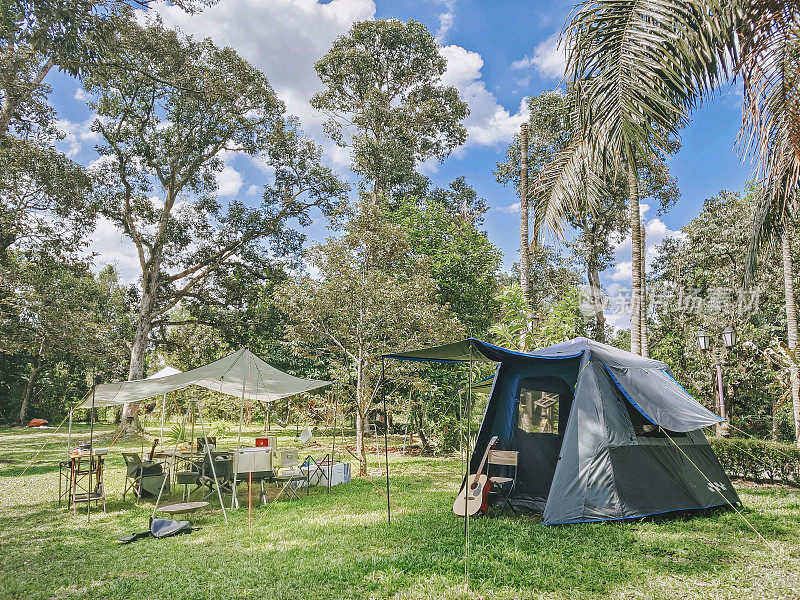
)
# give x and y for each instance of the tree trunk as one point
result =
(524, 250)
(361, 450)
(791, 325)
(636, 260)
(10, 105)
(30, 387)
(129, 421)
(593, 276)
(643, 300)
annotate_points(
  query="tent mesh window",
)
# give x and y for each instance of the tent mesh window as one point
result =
(538, 409)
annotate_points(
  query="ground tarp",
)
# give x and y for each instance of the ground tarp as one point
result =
(240, 373)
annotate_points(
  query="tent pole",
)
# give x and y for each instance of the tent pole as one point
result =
(69, 432)
(163, 410)
(385, 438)
(466, 482)
(91, 451)
(239, 437)
(214, 470)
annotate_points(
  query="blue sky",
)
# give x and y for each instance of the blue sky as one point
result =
(498, 54)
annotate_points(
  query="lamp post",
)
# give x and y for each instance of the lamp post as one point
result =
(729, 339)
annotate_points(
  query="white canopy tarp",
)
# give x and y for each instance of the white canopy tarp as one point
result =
(168, 370)
(240, 373)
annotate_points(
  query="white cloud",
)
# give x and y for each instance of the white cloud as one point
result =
(82, 95)
(511, 209)
(549, 59)
(253, 190)
(489, 123)
(77, 134)
(446, 18)
(284, 38)
(113, 248)
(229, 181)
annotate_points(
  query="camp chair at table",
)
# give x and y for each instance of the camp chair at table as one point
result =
(505, 462)
(223, 470)
(142, 477)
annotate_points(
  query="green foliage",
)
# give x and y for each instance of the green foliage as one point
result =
(697, 285)
(66, 322)
(463, 262)
(751, 458)
(523, 330)
(383, 96)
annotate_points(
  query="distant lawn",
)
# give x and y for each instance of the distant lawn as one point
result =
(338, 545)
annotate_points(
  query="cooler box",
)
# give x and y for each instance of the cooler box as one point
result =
(267, 441)
(286, 457)
(339, 473)
(257, 461)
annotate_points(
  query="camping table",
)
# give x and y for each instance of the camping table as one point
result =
(187, 457)
(83, 475)
(182, 507)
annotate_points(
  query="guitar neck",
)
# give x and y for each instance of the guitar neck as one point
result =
(483, 460)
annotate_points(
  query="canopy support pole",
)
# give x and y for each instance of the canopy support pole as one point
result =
(234, 500)
(213, 469)
(468, 413)
(385, 438)
(69, 432)
(163, 410)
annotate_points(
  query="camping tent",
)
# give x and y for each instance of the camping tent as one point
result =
(602, 434)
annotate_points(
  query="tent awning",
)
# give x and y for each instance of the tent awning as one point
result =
(464, 351)
(662, 400)
(239, 373)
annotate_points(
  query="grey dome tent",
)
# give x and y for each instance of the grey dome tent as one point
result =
(626, 437)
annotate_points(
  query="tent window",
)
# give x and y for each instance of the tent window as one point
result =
(537, 409)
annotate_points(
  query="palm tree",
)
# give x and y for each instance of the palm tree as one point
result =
(643, 65)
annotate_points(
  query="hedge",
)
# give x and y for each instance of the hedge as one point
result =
(750, 458)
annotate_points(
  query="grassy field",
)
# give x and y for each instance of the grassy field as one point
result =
(339, 545)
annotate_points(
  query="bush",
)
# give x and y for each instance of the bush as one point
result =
(758, 459)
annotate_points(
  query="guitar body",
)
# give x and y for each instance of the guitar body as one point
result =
(473, 498)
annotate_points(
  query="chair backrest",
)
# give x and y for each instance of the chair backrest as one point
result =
(508, 458)
(223, 464)
(133, 462)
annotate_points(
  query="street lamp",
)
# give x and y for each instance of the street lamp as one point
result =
(729, 337)
(704, 340)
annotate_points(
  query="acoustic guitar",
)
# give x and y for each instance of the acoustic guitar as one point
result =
(474, 496)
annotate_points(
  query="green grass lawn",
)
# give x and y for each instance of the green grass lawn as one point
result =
(339, 545)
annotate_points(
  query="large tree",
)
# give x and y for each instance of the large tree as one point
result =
(370, 296)
(166, 124)
(385, 100)
(54, 313)
(443, 226)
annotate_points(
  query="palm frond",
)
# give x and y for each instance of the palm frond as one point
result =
(567, 185)
(769, 35)
(644, 64)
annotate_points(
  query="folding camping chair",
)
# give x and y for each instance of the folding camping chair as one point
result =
(142, 477)
(222, 468)
(504, 461)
